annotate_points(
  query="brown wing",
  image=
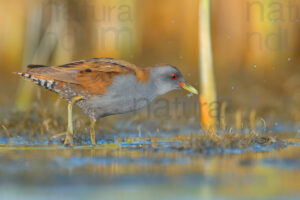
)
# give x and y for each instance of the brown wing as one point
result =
(93, 75)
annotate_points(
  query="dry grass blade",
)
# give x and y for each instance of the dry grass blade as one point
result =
(6, 131)
(223, 116)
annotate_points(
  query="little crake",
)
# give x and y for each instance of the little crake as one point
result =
(106, 86)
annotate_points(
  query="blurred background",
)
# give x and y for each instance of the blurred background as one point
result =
(255, 46)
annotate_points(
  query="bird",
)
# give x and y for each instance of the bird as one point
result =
(102, 87)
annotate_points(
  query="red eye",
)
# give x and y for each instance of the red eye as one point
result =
(174, 76)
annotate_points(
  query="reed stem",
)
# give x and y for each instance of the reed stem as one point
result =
(206, 73)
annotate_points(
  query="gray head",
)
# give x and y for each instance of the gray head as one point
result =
(168, 78)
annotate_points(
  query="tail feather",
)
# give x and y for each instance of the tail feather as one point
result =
(26, 75)
(48, 84)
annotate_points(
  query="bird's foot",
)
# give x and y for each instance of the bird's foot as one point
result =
(68, 138)
(58, 135)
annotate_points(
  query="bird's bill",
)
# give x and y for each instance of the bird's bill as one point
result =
(188, 87)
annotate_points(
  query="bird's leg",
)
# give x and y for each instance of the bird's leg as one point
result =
(92, 131)
(69, 132)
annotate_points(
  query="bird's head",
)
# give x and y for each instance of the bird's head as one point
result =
(168, 78)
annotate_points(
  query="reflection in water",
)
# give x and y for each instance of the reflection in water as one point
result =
(134, 168)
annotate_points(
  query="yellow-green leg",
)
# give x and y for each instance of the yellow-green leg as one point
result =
(92, 132)
(69, 132)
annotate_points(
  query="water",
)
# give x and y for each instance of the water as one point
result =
(140, 168)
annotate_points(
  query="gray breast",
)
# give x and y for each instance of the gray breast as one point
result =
(124, 95)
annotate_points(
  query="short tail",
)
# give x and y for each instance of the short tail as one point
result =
(48, 84)
(24, 74)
